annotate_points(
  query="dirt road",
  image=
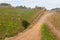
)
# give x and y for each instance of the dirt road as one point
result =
(32, 34)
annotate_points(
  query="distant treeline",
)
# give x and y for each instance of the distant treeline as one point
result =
(5, 5)
(24, 7)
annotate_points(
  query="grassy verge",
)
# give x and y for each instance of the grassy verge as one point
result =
(46, 33)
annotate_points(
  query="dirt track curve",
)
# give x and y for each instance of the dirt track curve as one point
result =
(32, 34)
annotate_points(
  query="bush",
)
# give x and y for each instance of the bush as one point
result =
(25, 23)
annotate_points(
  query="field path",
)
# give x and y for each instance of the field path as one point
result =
(32, 34)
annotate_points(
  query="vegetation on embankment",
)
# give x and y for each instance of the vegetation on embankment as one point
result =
(11, 21)
(46, 33)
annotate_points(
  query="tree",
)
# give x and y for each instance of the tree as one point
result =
(37, 7)
(22, 7)
(5, 4)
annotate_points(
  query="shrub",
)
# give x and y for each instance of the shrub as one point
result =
(25, 23)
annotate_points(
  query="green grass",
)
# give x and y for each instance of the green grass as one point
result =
(46, 33)
(10, 26)
(10, 20)
(25, 14)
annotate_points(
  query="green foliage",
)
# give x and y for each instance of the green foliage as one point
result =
(46, 33)
(25, 23)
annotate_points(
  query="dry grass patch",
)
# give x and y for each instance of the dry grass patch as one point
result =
(55, 20)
